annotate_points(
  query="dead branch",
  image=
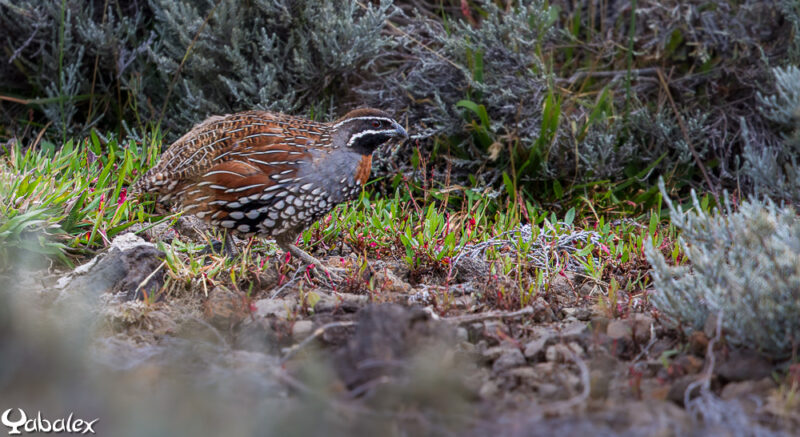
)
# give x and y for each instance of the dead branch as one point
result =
(490, 315)
(289, 352)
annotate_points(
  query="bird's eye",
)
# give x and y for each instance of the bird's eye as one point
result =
(376, 124)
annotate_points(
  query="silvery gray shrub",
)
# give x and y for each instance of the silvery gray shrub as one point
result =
(745, 265)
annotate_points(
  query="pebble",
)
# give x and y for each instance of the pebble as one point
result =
(493, 353)
(386, 280)
(462, 334)
(532, 348)
(510, 358)
(279, 308)
(488, 390)
(747, 389)
(577, 314)
(302, 329)
(618, 329)
(547, 390)
(524, 373)
(637, 328)
(561, 352)
(742, 366)
(678, 389)
(225, 309)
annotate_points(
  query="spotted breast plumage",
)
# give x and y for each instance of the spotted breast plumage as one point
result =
(268, 174)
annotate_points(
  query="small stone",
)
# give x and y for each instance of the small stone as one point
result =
(698, 342)
(493, 353)
(129, 261)
(678, 389)
(562, 352)
(570, 379)
(587, 289)
(636, 328)
(569, 313)
(547, 390)
(746, 389)
(690, 364)
(279, 308)
(583, 314)
(640, 325)
(476, 329)
(302, 329)
(524, 374)
(462, 334)
(618, 329)
(576, 348)
(544, 369)
(533, 348)
(225, 309)
(577, 314)
(386, 280)
(495, 326)
(269, 279)
(346, 302)
(742, 366)
(551, 354)
(572, 329)
(488, 390)
(650, 368)
(510, 358)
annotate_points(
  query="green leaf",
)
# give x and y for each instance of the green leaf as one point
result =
(75, 213)
(512, 194)
(653, 223)
(570, 217)
(479, 110)
(558, 191)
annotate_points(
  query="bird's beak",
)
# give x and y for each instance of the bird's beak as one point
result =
(399, 130)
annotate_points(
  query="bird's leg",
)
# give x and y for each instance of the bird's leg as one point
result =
(227, 245)
(287, 245)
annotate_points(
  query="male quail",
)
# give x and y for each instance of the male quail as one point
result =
(268, 174)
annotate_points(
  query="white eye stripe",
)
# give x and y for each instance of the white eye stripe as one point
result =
(388, 120)
(355, 137)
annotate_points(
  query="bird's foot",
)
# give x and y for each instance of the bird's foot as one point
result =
(225, 247)
(331, 274)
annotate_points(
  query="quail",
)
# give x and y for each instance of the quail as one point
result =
(268, 174)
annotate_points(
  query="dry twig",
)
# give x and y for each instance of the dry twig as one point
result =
(470, 318)
(318, 332)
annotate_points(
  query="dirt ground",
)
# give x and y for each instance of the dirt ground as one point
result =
(380, 355)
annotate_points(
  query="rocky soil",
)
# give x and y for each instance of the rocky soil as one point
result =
(377, 354)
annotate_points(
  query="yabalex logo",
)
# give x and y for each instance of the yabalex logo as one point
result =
(23, 424)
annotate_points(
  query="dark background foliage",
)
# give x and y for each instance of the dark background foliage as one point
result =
(551, 97)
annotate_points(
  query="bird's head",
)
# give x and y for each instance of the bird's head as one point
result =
(363, 130)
